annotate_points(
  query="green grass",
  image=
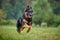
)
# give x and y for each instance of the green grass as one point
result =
(36, 33)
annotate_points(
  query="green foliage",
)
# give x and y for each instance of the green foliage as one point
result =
(57, 20)
(2, 14)
(13, 8)
(42, 11)
(55, 4)
(7, 22)
(45, 10)
(37, 33)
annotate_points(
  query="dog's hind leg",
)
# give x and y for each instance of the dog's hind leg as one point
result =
(23, 28)
(19, 30)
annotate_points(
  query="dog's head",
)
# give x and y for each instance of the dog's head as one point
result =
(29, 11)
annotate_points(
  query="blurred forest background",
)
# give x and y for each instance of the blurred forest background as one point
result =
(47, 11)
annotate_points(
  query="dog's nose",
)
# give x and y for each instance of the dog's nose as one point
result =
(30, 14)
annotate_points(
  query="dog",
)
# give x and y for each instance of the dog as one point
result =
(25, 21)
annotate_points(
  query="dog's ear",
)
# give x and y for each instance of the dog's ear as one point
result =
(26, 11)
(27, 8)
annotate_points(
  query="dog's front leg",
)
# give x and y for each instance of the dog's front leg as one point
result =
(25, 21)
(29, 28)
(30, 23)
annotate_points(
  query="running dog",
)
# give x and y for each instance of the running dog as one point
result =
(25, 21)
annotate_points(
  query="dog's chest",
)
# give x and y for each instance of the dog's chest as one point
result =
(29, 19)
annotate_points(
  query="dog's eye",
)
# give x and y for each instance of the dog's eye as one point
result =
(30, 11)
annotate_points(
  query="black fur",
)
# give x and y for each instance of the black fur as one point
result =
(20, 22)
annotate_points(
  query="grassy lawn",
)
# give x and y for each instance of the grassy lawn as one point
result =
(36, 33)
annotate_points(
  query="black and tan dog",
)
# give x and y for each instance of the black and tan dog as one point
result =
(25, 21)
